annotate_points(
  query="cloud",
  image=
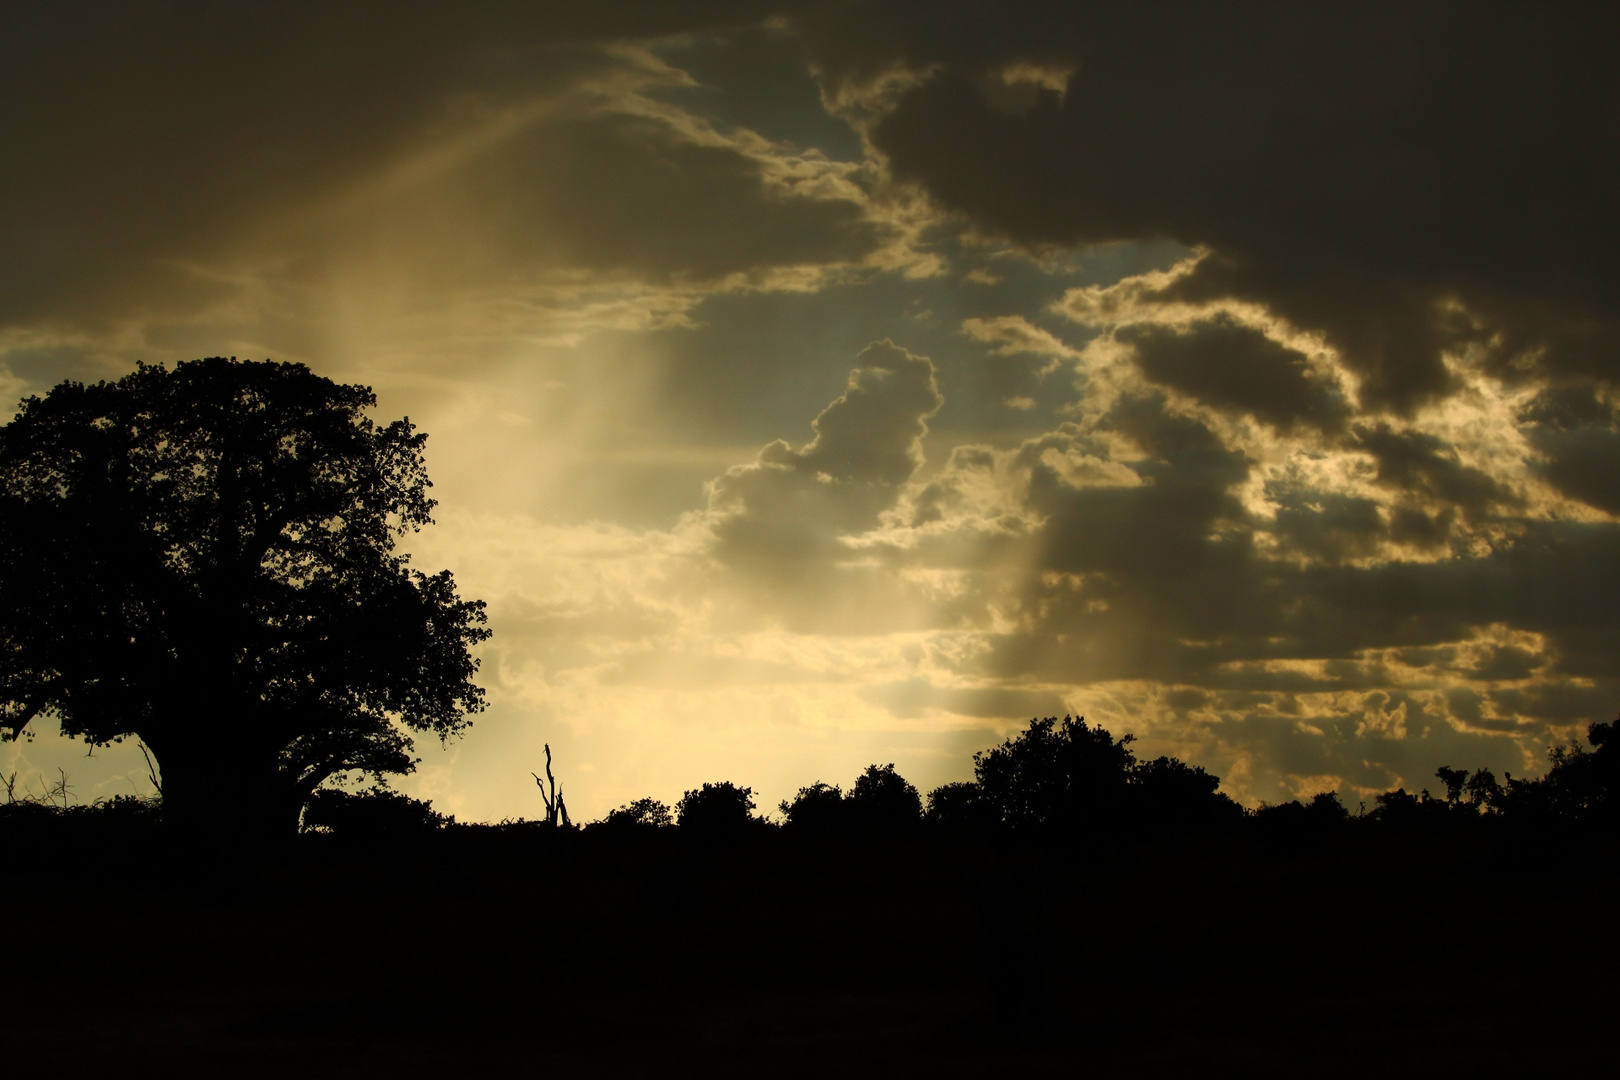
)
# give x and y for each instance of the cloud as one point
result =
(1577, 436)
(784, 517)
(1013, 335)
(1231, 366)
(1423, 465)
(1388, 177)
(291, 177)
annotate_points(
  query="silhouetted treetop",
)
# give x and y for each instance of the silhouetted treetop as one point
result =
(646, 813)
(1582, 786)
(204, 558)
(818, 807)
(1169, 791)
(1067, 775)
(716, 809)
(882, 799)
(1055, 774)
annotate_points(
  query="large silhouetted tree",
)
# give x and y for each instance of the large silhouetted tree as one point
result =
(1063, 776)
(204, 558)
(1056, 775)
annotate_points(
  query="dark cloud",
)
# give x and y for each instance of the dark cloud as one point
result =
(1561, 702)
(1421, 464)
(1507, 663)
(1169, 585)
(1406, 178)
(1567, 407)
(1583, 464)
(1158, 530)
(1235, 367)
(1328, 526)
(1577, 434)
(154, 150)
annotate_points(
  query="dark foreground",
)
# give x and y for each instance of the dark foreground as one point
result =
(526, 953)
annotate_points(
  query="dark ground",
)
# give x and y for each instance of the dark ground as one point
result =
(480, 953)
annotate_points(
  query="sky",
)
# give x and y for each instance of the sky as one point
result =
(817, 385)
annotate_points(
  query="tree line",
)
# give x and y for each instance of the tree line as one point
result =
(1055, 780)
(1061, 778)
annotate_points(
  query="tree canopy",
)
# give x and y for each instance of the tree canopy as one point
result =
(205, 559)
(1067, 775)
(719, 809)
(880, 800)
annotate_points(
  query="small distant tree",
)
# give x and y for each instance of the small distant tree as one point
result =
(1484, 792)
(1584, 785)
(647, 813)
(1064, 776)
(716, 809)
(1401, 809)
(1470, 796)
(1326, 808)
(1455, 780)
(816, 808)
(882, 799)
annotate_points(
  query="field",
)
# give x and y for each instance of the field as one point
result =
(521, 952)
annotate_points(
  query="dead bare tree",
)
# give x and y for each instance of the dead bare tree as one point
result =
(556, 809)
(151, 770)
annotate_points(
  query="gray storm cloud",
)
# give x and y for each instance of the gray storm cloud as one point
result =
(1410, 179)
(1238, 368)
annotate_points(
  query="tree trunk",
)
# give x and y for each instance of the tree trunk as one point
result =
(225, 796)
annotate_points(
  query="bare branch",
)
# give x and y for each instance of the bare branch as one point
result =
(151, 768)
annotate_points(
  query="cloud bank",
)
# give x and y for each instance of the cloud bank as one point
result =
(1244, 376)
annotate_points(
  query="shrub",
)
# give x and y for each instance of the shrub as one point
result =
(374, 813)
